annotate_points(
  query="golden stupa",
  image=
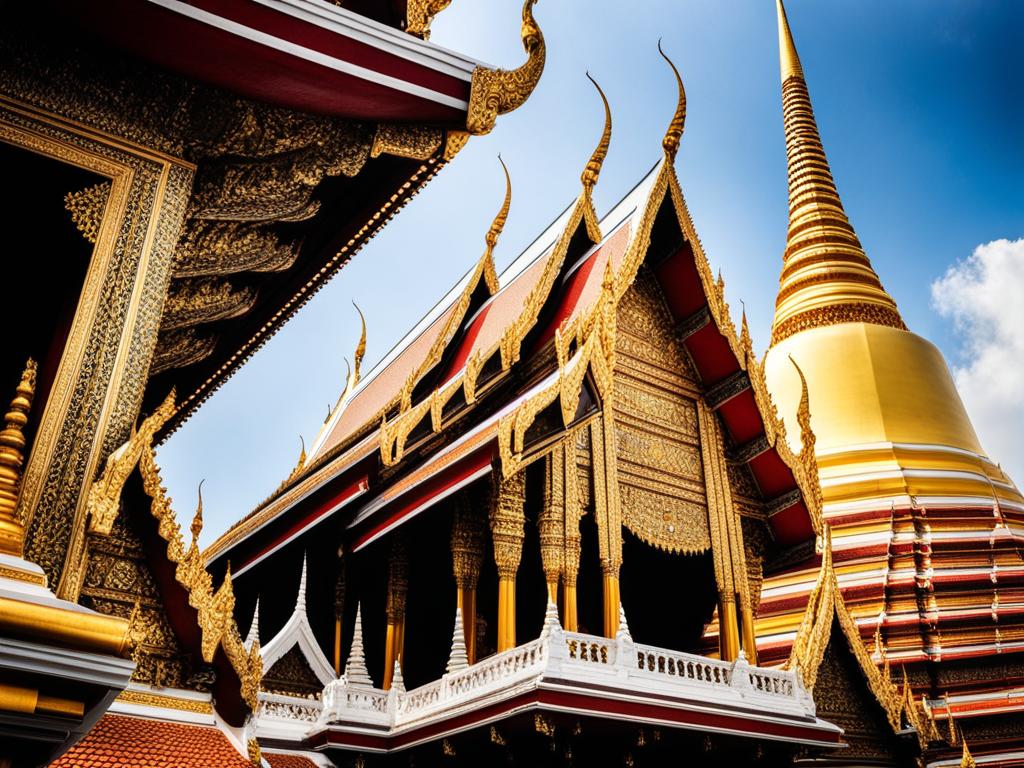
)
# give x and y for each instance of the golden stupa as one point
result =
(890, 424)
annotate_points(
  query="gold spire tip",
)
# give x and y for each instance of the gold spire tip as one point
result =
(593, 169)
(361, 347)
(498, 225)
(789, 61)
(675, 128)
(197, 519)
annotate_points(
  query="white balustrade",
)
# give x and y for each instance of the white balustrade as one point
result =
(571, 657)
(282, 707)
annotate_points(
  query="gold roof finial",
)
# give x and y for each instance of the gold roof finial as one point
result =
(826, 276)
(675, 128)
(12, 457)
(361, 346)
(789, 61)
(197, 519)
(803, 415)
(494, 92)
(593, 170)
(746, 342)
(498, 225)
(420, 13)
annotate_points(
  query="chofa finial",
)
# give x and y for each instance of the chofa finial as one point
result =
(675, 128)
(593, 169)
(197, 518)
(803, 415)
(361, 346)
(494, 92)
(502, 216)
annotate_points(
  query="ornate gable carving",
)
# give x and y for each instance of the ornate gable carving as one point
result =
(291, 675)
(118, 582)
(661, 477)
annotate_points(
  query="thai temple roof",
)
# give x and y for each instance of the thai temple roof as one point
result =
(119, 741)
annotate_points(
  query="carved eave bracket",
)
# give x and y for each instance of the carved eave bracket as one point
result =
(494, 92)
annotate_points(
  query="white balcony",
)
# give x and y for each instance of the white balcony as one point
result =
(582, 674)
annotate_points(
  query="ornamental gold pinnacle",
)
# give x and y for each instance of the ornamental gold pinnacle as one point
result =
(593, 170)
(12, 457)
(498, 225)
(361, 347)
(675, 128)
(827, 277)
(197, 519)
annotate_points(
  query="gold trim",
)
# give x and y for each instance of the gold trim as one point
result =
(146, 699)
(215, 609)
(76, 431)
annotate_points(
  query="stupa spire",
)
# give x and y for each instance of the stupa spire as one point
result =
(355, 668)
(826, 276)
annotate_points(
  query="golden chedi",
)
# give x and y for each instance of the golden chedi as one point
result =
(924, 525)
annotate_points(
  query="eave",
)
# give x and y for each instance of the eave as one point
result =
(307, 55)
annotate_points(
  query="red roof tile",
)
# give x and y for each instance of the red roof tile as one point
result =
(133, 742)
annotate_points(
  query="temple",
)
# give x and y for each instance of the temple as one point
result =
(570, 518)
(201, 169)
(487, 526)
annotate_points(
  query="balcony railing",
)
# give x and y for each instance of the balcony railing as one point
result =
(582, 663)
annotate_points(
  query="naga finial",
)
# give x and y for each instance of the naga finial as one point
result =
(12, 457)
(499, 221)
(803, 415)
(197, 519)
(593, 169)
(361, 347)
(675, 128)
(420, 13)
(494, 92)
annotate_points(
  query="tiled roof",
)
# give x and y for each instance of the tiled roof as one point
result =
(367, 402)
(289, 761)
(134, 742)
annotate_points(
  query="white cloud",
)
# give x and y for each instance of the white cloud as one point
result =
(984, 296)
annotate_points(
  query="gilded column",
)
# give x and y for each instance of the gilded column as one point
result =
(551, 521)
(726, 536)
(507, 536)
(398, 585)
(571, 553)
(12, 457)
(608, 515)
(339, 609)
(467, 558)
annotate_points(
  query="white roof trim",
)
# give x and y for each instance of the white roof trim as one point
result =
(297, 632)
(366, 30)
(309, 54)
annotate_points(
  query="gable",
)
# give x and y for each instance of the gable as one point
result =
(291, 675)
(842, 697)
(660, 474)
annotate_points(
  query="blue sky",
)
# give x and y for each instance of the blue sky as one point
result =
(920, 105)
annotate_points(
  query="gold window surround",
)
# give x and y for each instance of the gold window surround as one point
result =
(98, 387)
